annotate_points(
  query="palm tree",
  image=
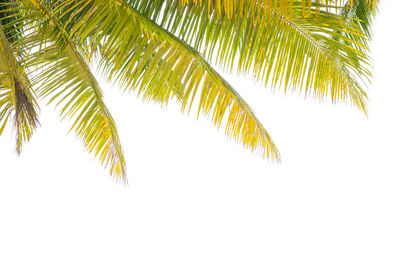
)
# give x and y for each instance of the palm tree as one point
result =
(162, 50)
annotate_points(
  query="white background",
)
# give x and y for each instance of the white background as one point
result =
(197, 199)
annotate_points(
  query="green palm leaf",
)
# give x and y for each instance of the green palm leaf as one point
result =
(139, 54)
(162, 50)
(312, 54)
(16, 98)
(66, 79)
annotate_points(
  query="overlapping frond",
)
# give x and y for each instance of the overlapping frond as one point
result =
(311, 54)
(361, 13)
(161, 49)
(65, 79)
(137, 53)
(17, 102)
(231, 8)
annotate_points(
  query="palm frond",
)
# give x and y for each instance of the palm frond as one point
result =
(162, 50)
(65, 79)
(139, 54)
(16, 98)
(293, 52)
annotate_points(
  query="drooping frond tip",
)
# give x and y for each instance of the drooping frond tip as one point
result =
(16, 97)
(68, 81)
(25, 117)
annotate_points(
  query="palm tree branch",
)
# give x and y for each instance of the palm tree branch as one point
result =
(138, 53)
(16, 95)
(67, 78)
(257, 44)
